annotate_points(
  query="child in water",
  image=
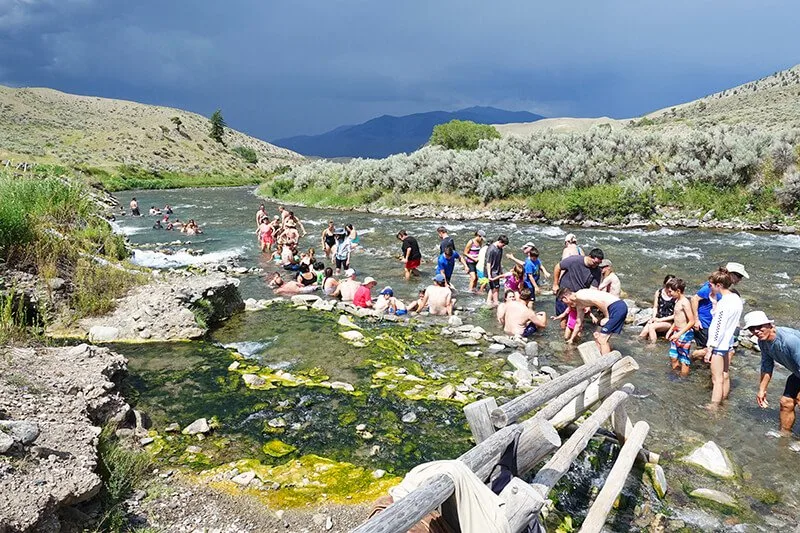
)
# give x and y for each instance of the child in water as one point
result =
(681, 333)
(571, 314)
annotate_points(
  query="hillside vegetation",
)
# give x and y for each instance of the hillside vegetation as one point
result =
(48, 126)
(681, 159)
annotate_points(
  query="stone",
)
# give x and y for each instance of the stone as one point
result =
(146, 440)
(658, 480)
(103, 334)
(475, 353)
(714, 496)
(455, 321)
(145, 334)
(478, 329)
(641, 318)
(532, 349)
(318, 519)
(253, 380)
(549, 371)
(305, 299)
(409, 418)
(510, 342)
(198, 426)
(279, 514)
(470, 381)
(251, 304)
(244, 478)
(173, 427)
(523, 377)
(712, 458)
(496, 348)
(465, 341)
(377, 474)
(277, 423)
(519, 361)
(375, 450)
(323, 305)
(351, 335)
(341, 385)
(233, 366)
(795, 447)
(347, 322)
(460, 397)
(446, 392)
(22, 431)
(6, 442)
(709, 215)
(56, 284)
(329, 522)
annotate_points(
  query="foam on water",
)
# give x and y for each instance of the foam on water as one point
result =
(151, 259)
(679, 252)
(249, 348)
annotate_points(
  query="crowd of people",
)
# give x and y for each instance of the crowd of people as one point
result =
(587, 291)
(163, 221)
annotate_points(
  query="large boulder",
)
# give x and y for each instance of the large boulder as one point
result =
(103, 334)
(712, 458)
(22, 431)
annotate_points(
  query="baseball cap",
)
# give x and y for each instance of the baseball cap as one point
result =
(570, 237)
(439, 278)
(528, 244)
(369, 280)
(387, 290)
(738, 268)
(756, 318)
(605, 263)
(349, 272)
(480, 233)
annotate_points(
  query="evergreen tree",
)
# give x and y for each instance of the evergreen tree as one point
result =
(217, 127)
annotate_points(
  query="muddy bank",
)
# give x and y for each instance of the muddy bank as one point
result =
(63, 395)
(172, 307)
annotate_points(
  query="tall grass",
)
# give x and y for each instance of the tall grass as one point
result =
(122, 470)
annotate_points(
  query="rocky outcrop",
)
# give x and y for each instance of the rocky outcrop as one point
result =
(171, 308)
(52, 403)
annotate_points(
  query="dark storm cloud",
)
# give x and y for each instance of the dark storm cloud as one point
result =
(281, 68)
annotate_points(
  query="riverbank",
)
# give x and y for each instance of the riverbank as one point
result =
(612, 206)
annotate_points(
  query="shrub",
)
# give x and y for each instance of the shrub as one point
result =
(98, 286)
(122, 470)
(789, 192)
(462, 134)
(248, 154)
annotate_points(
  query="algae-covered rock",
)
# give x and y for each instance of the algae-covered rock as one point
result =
(715, 496)
(658, 480)
(277, 448)
(252, 380)
(446, 392)
(711, 457)
(465, 342)
(198, 426)
(352, 335)
(244, 478)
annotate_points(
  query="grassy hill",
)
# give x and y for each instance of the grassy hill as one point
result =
(48, 126)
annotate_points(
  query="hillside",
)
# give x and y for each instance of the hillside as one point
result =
(771, 103)
(555, 125)
(386, 135)
(48, 126)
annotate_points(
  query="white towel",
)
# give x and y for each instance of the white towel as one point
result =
(479, 509)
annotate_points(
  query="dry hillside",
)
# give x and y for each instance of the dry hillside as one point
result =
(556, 125)
(44, 125)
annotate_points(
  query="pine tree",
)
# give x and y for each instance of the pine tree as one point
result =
(217, 127)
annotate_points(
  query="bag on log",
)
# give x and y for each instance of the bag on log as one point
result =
(431, 523)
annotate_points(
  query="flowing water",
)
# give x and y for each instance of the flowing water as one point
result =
(183, 381)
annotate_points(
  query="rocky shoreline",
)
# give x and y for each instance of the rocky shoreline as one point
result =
(667, 217)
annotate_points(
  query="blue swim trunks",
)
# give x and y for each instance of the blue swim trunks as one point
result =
(617, 312)
(681, 347)
(401, 312)
(530, 329)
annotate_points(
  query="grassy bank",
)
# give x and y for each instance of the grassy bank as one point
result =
(611, 204)
(51, 226)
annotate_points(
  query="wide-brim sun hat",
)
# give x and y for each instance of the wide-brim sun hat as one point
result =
(570, 237)
(756, 318)
(369, 280)
(737, 268)
(349, 272)
(605, 263)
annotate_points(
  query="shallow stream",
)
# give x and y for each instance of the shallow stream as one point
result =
(181, 382)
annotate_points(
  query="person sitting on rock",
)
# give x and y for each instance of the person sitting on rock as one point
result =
(346, 289)
(438, 297)
(363, 296)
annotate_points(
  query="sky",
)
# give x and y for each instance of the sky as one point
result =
(282, 68)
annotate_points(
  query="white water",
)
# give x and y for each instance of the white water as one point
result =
(151, 259)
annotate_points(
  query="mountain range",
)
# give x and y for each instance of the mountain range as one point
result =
(387, 134)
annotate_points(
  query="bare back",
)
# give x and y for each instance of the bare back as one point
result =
(595, 298)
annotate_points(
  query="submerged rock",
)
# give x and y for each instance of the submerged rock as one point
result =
(253, 380)
(455, 321)
(347, 322)
(198, 426)
(658, 479)
(711, 457)
(351, 335)
(409, 418)
(714, 496)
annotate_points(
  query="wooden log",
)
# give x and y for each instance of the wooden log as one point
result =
(555, 405)
(609, 381)
(522, 504)
(645, 456)
(538, 440)
(621, 423)
(590, 352)
(558, 465)
(596, 517)
(478, 415)
(402, 515)
(533, 399)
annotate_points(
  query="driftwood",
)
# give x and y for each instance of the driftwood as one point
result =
(522, 504)
(558, 465)
(525, 403)
(596, 517)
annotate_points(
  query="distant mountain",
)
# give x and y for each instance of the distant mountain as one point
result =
(388, 135)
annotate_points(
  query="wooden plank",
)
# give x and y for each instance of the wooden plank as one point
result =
(609, 381)
(479, 416)
(558, 465)
(533, 399)
(522, 504)
(596, 517)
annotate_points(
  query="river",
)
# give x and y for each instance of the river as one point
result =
(641, 257)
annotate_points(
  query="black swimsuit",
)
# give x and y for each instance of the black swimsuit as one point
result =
(330, 239)
(306, 282)
(665, 307)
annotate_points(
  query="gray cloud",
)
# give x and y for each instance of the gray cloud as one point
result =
(281, 68)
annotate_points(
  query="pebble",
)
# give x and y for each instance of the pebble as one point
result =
(409, 418)
(198, 426)
(377, 474)
(496, 348)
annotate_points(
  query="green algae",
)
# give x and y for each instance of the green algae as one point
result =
(277, 448)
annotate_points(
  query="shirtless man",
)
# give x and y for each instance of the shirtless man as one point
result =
(135, 208)
(610, 283)
(346, 289)
(438, 297)
(260, 214)
(681, 334)
(614, 312)
(283, 213)
(517, 319)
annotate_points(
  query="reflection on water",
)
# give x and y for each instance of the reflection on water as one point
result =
(642, 257)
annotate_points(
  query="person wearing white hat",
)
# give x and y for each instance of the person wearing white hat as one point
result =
(737, 269)
(346, 289)
(779, 344)
(571, 246)
(363, 297)
(702, 307)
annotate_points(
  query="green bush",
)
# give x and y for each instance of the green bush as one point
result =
(462, 134)
(122, 470)
(248, 154)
